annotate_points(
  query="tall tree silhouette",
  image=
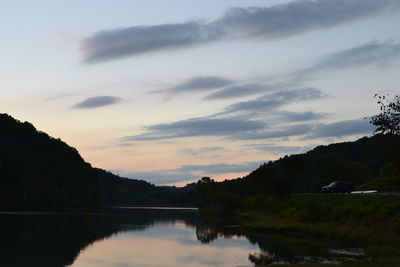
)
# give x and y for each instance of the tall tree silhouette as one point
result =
(388, 120)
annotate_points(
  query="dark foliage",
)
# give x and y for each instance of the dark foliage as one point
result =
(388, 120)
(213, 198)
(119, 191)
(38, 172)
(360, 162)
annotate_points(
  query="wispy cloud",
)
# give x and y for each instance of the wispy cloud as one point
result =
(277, 149)
(136, 40)
(97, 101)
(267, 23)
(311, 130)
(202, 150)
(275, 132)
(378, 54)
(341, 128)
(291, 116)
(371, 54)
(200, 83)
(240, 90)
(242, 129)
(272, 101)
(241, 121)
(203, 126)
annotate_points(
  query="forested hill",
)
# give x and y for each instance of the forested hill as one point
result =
(370, 162)
(38, 172)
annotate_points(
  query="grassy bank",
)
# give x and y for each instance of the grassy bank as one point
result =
(370, 221)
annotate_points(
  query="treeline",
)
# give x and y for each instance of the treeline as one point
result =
(370, 162)
(38, 172)
(119, 191)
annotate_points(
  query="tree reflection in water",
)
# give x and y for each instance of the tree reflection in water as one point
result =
(275, 248)
(55, 240)
(262, 258)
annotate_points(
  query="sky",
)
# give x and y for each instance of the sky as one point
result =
(171, 91)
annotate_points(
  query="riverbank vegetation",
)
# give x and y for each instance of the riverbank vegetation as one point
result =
(370, 222)
(348, 217)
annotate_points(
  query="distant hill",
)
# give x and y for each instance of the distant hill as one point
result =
(363, 162)
(38, 172)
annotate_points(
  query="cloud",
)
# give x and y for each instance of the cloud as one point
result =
(341, 128)
(202, 150)
(310, 131)
(245, 126)
(238, 91)
(97, 101)
(276, 132)
(292, 116)
(296, 17)
(378, 54)
(278, 150)
(204, 126)
(268, 23)
(112, 44)
(370, 54)
(194, 172)
(200, 83)
(269, 102)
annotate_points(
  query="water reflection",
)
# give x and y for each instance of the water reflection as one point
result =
(279, 249)
(57, 239)
(127, 237)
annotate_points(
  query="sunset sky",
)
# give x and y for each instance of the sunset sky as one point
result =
(170, 91)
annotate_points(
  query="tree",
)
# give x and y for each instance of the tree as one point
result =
(388, 121)
(205, 188)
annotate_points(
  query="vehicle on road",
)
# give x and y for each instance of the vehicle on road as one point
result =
(338, 187)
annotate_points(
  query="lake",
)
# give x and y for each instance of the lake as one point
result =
(150, 237)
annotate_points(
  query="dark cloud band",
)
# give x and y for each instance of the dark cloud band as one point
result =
(369, 54)
(96, 102)
(341, 128)
(274, 22)
(197, 127)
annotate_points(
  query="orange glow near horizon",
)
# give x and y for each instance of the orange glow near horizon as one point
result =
(217, 178)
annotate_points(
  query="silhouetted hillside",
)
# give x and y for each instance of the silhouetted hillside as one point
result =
(38, 172)
(119, 191)
(367, 159)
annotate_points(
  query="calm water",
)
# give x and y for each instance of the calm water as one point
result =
(149, 237)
